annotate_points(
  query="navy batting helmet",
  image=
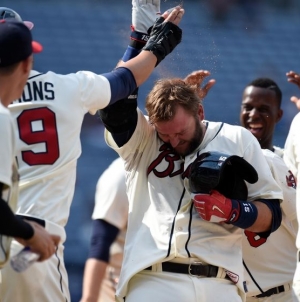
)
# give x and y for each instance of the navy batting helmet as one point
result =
(8, 13)
(222, 172)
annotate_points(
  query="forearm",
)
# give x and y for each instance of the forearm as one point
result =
(264, 218)
(141, 66)
(10, 225)
(94, 272)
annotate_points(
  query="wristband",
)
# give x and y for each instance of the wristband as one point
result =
(130, 53)
(138, 39)
(244, 214)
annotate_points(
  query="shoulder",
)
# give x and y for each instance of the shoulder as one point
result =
(115, 171)
(295, 124)
(3, 110)
(279, 151)
(5, 118)
(275, 161)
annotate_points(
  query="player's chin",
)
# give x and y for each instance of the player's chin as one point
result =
(183, 150)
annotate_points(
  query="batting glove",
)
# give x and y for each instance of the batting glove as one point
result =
(164, 37)
(144, 14)
(215, 207)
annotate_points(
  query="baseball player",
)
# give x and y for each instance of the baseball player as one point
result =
(102, 269)
(49, 146)
(16, 48)
(174, 250)
(270, 276)
(292, 159)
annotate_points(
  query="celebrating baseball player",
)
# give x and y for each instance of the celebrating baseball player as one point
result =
(102, 269)
(292, 159)
(270, 276)
(16, 48)
(185, 245)
(49, 146)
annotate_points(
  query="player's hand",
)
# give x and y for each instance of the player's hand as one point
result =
(144, 14)
(41, 242)
(165, 34)
(294, 77)
(215, 207)
(195, 80)
(173, 15)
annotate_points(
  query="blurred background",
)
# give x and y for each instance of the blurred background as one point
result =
(236, 40)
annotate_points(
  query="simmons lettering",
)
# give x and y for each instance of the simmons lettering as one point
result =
(37, 91)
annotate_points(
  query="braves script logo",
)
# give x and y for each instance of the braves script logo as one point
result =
(168, 155)
(290, 180)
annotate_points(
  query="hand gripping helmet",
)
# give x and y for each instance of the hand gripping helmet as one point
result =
(8, 13)
(222, 172)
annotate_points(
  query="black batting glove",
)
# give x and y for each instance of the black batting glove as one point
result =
(164, 37)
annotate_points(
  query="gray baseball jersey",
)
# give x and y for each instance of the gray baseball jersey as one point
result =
(163, 223)
(263, 271)
(48, 120)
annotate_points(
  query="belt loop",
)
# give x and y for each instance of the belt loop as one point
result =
(157, 267)
(221, 273)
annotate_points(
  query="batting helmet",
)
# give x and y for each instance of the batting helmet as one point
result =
(222, 172)
(8, 13)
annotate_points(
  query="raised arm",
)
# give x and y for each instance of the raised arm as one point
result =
(294, 77)
(165, 35)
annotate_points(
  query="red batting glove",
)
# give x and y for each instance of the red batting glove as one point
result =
(215, 207)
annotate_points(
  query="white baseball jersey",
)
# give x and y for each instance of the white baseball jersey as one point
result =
(292, 159)
(48, 119)
(163, 223)
(292, 148)
(271, 262)
(111, 205)
(279, 151)
(8, 173)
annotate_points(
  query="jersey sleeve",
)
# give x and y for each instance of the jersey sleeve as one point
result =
(94, 90)
(266, 187)
(111, 202)
(286, 180)
(98, 91)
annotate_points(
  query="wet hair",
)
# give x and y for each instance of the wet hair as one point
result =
(165, 97)
(268, 84)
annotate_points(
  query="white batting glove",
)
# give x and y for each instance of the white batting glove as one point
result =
(144, 14)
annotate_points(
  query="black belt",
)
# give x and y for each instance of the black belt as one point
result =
(271, 291)
(37, 220)
(196, 269)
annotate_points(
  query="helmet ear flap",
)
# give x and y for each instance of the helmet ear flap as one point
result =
(231, 184)
(222, 172)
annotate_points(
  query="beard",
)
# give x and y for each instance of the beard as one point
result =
(195, 140)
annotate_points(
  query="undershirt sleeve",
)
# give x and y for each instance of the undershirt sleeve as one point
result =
(103, 235)
(122, 83)
(10, 224)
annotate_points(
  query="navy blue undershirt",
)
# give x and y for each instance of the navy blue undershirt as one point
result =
(103, 235)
